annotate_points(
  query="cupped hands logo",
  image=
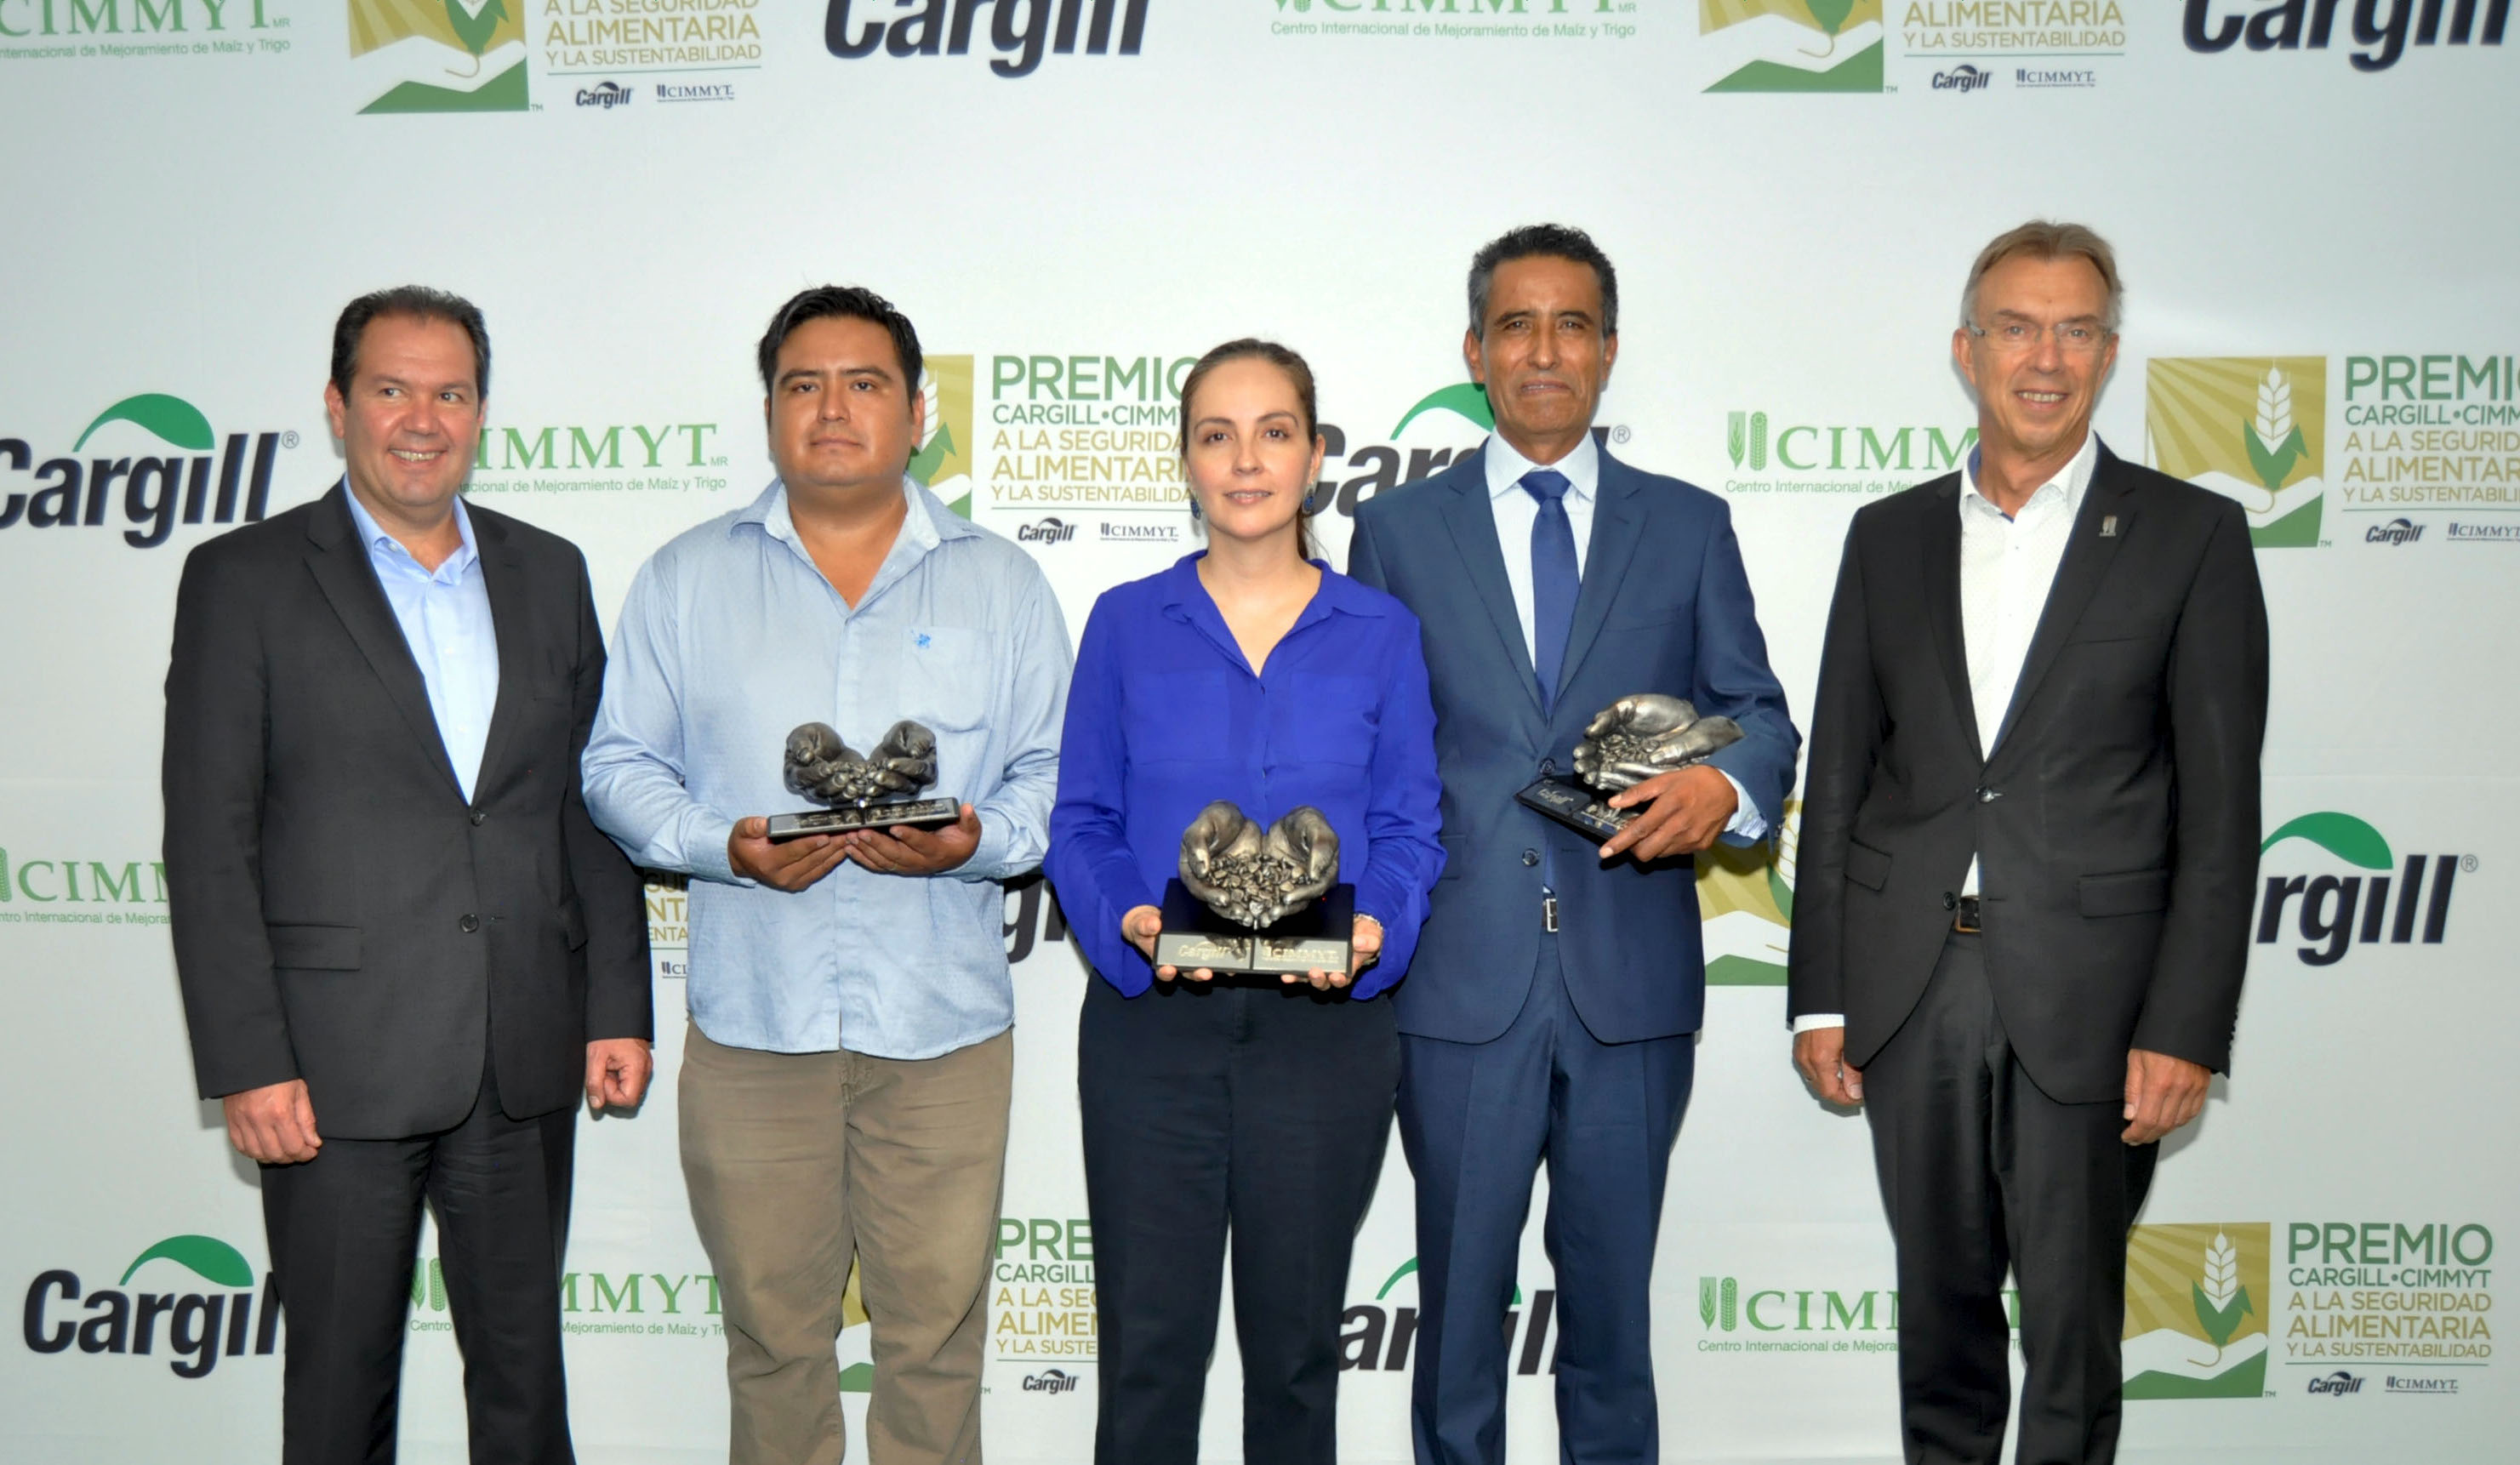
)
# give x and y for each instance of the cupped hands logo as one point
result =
(1746, 899)
(416, 47)
(1793, 45)
(2194, 1324)
(943, 461)
(2249, 427)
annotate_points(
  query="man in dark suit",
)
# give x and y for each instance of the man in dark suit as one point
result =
(1558, 983)
(2030, 833)
(404, 949)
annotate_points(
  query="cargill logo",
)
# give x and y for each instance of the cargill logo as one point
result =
(224, 1317)
(2338, 1384)
(2195, 1311)
(454, 55)
(2249, 427)
(182, 473)
(1963, 78)
(1793, 45)
(943, 463)
(2380, 30)
(1019, 31)
(1376, 1336)
(1051, 1381)
(607, 95)
(2398, 531)
(2392, 903)
(1048, 531)
(1350, 475)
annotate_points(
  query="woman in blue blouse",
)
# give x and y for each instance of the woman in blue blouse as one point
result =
(1255, 674)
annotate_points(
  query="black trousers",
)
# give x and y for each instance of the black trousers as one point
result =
(1982, 1172)
(344, 1230)
(1240, 1105)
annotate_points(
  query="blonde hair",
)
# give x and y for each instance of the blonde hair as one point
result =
(2041, 239)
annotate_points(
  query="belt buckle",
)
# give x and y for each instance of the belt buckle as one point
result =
(1964, 917)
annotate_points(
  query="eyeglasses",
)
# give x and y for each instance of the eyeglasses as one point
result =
(2073, 337)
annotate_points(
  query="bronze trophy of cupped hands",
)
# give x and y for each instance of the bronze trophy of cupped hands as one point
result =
(1255, 900)
(1640, 736)
(860, 792)
(1645, 735)
(1253, 877)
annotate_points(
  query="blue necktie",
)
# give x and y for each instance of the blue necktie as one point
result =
(1553, 579)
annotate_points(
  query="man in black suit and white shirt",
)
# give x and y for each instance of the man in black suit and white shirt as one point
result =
(404, 949)
(2029, 838)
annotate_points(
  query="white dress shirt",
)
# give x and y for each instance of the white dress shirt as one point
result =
(445, 618)
(1516, 510)
(2007, 565)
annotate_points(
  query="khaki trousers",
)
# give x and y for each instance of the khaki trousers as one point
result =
(796, 1163)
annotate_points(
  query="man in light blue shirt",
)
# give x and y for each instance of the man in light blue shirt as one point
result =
(845, 1082)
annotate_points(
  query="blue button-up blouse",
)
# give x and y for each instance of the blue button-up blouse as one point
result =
(1165, 716)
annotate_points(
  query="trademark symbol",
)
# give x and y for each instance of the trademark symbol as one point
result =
(289, 439)
(2467, 864)
(1619, 433)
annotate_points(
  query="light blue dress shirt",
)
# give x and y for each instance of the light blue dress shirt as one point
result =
(731, 638)
(445, 619)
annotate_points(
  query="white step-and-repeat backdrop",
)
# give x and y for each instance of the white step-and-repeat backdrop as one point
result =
(2315, 207)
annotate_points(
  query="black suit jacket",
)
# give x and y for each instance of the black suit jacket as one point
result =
(341, 913)
(2116, 818)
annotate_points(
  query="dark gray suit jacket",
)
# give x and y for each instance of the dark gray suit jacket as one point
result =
(341, 913)
(2116, 818)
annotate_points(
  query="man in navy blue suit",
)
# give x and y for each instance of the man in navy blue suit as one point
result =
(1559, 984)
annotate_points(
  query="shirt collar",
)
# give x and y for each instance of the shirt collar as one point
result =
(1506, 467)
(373, 535)
(1184, 592)
(2071, 480)
(927, 524)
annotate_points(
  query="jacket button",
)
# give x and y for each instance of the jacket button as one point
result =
(1951, 902)
(1987, 795)
(469, 924)
(1531, 856)
(478, 817)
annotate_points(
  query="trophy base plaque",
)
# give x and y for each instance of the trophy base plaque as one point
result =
(921, 813)
(1313, 939)
(1584, 810)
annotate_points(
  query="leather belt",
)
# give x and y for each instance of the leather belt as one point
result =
(1965, 915)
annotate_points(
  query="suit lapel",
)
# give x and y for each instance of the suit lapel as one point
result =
(340, 564)
(1942, 571)
(503, 573)
(1618, 522)
(2087, 557)
(1473, 523)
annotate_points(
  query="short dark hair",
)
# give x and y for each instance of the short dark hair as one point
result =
(421, 302)
(1300, 375)
(1541, 240)
(855, 302)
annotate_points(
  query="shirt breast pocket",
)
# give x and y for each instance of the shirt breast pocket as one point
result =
(1329, 720)
(946, 678)
(1176, 716)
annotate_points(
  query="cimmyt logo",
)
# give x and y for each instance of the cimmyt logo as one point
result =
(449, 55)
(2195, 1311)
(1793, 45)
(2250, 427)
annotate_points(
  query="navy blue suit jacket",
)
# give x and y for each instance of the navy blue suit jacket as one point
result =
(1665, 606)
